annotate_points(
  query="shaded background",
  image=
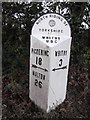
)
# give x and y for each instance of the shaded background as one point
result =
(17, 22)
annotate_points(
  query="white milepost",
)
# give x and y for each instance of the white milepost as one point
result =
(49, 60)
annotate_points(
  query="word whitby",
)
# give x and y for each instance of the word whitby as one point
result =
(60, 53)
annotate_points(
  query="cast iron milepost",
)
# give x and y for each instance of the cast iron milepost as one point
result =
(49, 60)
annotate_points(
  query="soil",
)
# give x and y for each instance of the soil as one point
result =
(17, 105)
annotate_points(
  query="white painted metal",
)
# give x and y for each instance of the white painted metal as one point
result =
(48, 23)
(39, 80)
(49, 60)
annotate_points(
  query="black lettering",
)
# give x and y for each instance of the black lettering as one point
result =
(52, 37)
(60, 62)
(39, 29)
(55, 41)
(51, 30)
(42, 30)
(50, 15)
(65, 23)
(59, 38)
(41, 19)
(32, 49)
(43, 77)
(43, 37)
(36, 82)
(54, 16)
(40, 84)
(39, 60)
(33, 73)
(61, 31)
(60, 52)
(38, 75)
(55, 37)
(40, 51)
(58, 30)
(51, 41)
(37, 22)
(55, 53)
(58, 17)
(48, 30)
(47, 53)
(61, 19)
(47, 37)
(47, 41)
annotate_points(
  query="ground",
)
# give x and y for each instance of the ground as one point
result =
(17, 104)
